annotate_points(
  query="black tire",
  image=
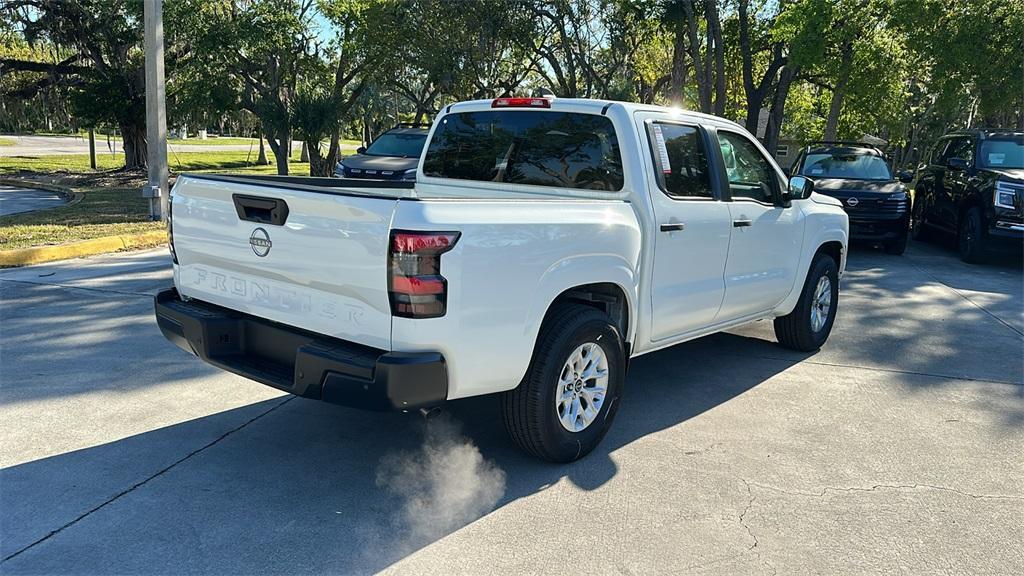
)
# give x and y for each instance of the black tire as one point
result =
(970, 239)
(530, 413)
(897, 246)
(794, 330)
(919, 229)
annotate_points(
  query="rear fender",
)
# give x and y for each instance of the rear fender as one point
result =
(579, 271)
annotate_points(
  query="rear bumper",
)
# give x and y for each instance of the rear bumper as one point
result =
(302, 363)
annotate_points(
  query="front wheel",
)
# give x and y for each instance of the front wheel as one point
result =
(569, 396)
(807, 327)
(897, 246)
(970, 241)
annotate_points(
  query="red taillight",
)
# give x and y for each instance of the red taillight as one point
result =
(415, 284)
(521, 103)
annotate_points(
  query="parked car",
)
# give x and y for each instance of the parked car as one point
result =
(858, 175)
(544, 243)
(392, 156)
(971, 184)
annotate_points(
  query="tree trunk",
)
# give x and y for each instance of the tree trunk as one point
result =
(261, 160)
(133, 140)
(700, 71)
(304, 154)
(678, 80)
(836, 106)
(279, 145)
(715, 35)
(778, 108)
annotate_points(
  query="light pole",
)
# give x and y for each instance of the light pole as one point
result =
(156, 111)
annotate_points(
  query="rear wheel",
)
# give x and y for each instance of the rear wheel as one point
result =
(568, 398)
(807, 327)
(969, 238)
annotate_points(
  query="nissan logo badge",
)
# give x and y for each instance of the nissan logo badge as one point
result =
(851, 201)
(260, 242)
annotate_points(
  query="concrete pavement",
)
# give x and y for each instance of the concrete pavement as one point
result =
(896, 449)
(14, 200)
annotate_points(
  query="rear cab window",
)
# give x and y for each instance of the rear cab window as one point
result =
(680, 160)
(532, 147)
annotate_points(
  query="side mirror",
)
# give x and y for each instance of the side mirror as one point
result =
(361, 149)
(800, 187)
(904, 176)
(956, 164)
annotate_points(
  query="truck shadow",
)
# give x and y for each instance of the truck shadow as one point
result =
(297, 489)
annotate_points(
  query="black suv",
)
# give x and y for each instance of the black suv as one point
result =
(858, 176)
(394, 155)
(971, 184)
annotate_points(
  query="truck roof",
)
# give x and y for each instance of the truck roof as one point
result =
(600, 106)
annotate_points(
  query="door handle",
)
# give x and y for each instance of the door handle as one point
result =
(672, 226)
(741, 223)
(271, 211)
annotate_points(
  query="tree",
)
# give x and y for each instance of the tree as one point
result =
(263, 46)
(103, 67)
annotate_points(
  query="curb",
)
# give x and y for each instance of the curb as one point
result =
(70, 196)
(37, 255)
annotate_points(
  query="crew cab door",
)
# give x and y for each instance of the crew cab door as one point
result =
(766, 239)
(691, 234)
(950, 186)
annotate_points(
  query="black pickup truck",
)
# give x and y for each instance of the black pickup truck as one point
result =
(857, 174)
(971, 184)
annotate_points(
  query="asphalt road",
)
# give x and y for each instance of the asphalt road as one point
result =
(15, 200)
(897, 449)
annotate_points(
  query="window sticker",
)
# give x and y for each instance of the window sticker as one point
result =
(659, 143)
(996, 159)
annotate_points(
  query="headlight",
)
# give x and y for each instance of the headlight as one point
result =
(409, 174)
(1005, 197)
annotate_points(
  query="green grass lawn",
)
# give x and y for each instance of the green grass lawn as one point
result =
(234, 161)
(6, 141)
(101, 212)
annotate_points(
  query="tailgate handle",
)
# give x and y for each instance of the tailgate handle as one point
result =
(271, 211)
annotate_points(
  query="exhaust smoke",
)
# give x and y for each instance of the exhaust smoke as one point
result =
(442, 486)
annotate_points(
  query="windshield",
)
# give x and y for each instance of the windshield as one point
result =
(403, 145)
(1002, 153)
(850, 166)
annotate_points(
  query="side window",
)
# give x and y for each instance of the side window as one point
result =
(961, 148)
(750, 174)
(681, 160)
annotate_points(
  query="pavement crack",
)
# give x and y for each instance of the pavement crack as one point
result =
(143, 482)
(875, 487)
(743, 522)
(750, 502)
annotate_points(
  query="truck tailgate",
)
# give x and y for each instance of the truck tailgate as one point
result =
(316, 260)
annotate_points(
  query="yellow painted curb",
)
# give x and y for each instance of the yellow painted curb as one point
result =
(25, 256)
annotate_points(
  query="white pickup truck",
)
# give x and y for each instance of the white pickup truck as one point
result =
(544, 243)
